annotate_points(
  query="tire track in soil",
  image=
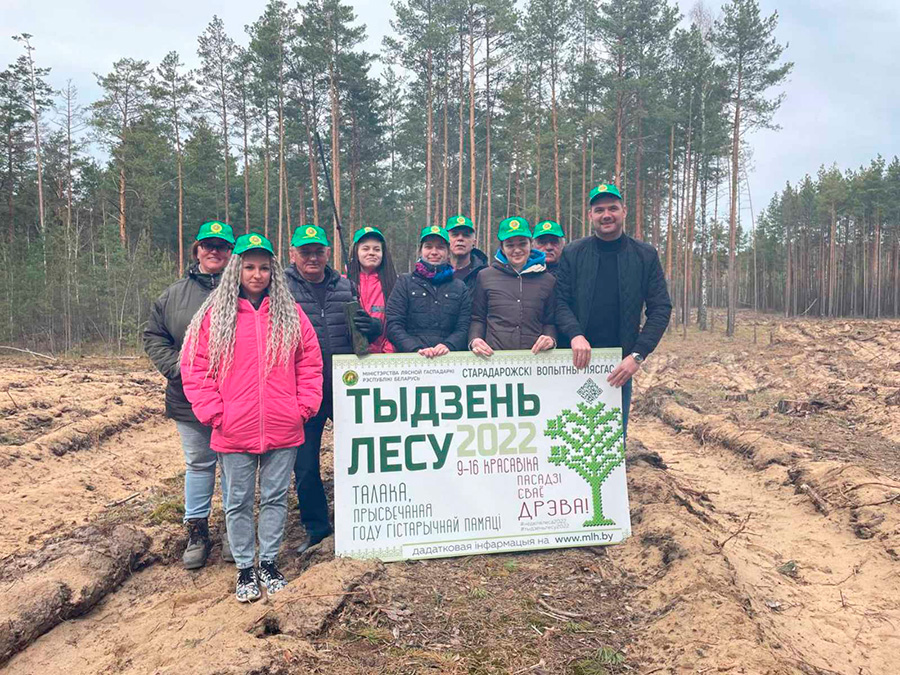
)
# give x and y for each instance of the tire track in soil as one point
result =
(48, 497)
(838, 615)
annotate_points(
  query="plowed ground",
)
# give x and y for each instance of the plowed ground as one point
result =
(764, 478)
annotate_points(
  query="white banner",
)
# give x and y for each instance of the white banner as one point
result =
(462, 455)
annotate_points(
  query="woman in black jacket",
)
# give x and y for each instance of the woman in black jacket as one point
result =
(429, 310)
(169, 319)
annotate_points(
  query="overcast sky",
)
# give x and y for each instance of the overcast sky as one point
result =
(840, 105)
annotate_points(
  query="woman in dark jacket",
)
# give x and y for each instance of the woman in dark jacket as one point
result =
(429, 311)
(515, 299)
(169, 319)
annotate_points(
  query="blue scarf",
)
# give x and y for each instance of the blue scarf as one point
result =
(437, 275)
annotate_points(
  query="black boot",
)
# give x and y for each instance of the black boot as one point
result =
(198, 546)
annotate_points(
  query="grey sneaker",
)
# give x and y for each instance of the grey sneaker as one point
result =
(271, 578)
(198, 546)
(226, 548)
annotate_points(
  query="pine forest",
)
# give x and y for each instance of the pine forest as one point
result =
(487, 108)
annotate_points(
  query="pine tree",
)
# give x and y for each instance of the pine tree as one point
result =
(126, 100)
(216, 51)
(750, 54)
(174, 92)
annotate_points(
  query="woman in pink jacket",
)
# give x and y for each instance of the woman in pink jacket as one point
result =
(252, 369)
(372, 270)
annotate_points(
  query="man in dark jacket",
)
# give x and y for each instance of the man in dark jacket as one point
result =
(605, 281)
(169, 319)
(467, 261)
(322, 293)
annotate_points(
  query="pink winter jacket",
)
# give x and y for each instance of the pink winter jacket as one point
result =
(371, 297)
(248, 410)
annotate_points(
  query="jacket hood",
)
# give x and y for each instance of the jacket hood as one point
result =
(479, 259)
(331, 276)
(537, 262)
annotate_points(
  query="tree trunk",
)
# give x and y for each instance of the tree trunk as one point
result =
(180, 203)
(10, 203)
(472, 203)
(335, 161)
(246, 150)
(488, 173)
(620, 113)
(35, 116)
(537, 176)
(553, 120)
(832, 262)
(732, 227)
(584, 191)
(313, 169)
(462, 98)
(429, 125)
(446, 161)
(267, 161)
(122, 202)
(638, 188)
(224, 91)
(669, 241)
(282, 182)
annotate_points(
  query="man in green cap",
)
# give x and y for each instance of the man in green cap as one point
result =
(467, 261)
(605, 283)
(167, 324)
(550, 238)
(322, 293)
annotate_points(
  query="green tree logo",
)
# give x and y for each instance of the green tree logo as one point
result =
(592, 445)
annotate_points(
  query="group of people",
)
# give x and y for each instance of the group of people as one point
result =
(246, 347)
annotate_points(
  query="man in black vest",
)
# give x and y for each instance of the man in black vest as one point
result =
(322, 293)
(605, 282)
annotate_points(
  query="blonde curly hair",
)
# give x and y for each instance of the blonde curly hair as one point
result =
(282, 338)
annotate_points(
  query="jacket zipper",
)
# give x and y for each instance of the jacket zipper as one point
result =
(521, 309)
(259, 374)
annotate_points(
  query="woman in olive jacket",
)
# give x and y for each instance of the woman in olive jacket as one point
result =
(515, 299)
(169, 319)
(429, 311)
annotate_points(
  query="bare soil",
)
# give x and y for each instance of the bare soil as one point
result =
(764, 477)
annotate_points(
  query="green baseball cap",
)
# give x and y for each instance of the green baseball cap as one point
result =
(459, 221)
(216, 230)
(513, 227)
(434, 230)
(604, 189)
(248, 242)
(548, 227)
(363, 231)
(309, 234)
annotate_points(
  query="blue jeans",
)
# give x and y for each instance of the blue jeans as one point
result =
(311, 498)
(200, 470)
(626, 406)
(240, 469)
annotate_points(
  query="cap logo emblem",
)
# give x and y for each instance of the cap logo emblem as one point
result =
(435, 229)
(367, 229)
(255, 240)
(216, 228)
(310, 232)
(514, 224)
(602, 188)
(460, 220)
(547, 226)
